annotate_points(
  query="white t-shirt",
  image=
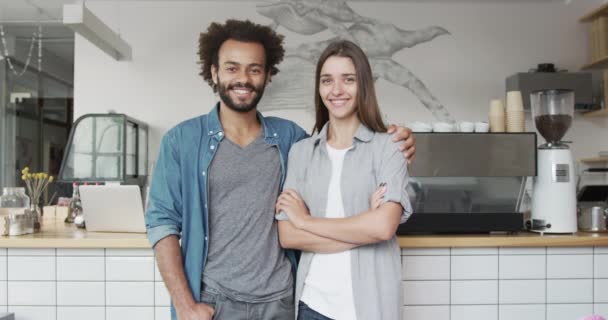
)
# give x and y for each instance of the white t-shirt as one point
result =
(328, 288)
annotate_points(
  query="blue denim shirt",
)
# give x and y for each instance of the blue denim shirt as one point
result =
(177, 202)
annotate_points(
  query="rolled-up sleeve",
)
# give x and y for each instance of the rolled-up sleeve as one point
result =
(163, 213)
(393, 172)
(293, 179)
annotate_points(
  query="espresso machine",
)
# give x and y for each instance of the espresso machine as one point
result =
(470, 182)
(554, 187)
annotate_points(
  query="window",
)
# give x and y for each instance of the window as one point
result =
(36, 107)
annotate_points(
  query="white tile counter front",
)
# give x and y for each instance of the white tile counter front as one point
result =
(553, 283)
(65, 273)
(441, 283)
(92, 284)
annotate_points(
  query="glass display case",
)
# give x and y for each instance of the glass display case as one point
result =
(106, 148)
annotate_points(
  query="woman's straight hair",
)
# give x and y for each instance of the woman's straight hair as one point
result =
(366, 101)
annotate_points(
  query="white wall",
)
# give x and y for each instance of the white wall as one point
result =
(464, 70)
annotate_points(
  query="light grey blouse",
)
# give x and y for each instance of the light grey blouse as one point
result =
(373, 159)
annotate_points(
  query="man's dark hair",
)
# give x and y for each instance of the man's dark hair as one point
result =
(209, 44)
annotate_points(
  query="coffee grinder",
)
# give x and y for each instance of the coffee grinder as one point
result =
(554, 192)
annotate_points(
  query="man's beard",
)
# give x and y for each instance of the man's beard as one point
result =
(223, 91)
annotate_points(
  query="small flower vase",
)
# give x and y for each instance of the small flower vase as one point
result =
(34, 214)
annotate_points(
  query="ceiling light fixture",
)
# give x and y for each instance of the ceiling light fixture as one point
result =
(84, 22)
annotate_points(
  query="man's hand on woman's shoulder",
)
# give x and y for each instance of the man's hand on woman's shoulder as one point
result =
(408, 147)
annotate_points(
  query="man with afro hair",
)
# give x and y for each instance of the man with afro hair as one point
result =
(210, 215)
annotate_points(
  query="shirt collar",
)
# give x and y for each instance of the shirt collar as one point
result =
(363, 134)
(215, 126)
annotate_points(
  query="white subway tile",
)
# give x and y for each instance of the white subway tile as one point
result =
(130, 268)
(600, 288)
(3, 308)
(425, 267)
(3, 293)
(31, 268)
(569, 266)
(130, 293)
(3, 268)
(474, 267)
(129, 252)
(474, 251)
(474, 312)
(34, 313)
(570, 250)
(81, 313)
(2, 251)
(601, 250)
(601, 309)
(425, 252)
(521, 291)
(157, 275)
(162, 313)
(426, 292)
(522, 267)
(80, 252)
(130, 313)
(570, 291)
(30, 252)
(80, 293)
(161, 295)
(426, 312)
(521, 312)
(80, 268)
(568, 311)
(25, 293)
(474, 292)
(600, 266)
(523, 251)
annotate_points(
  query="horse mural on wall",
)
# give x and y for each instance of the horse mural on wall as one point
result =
(292, 87)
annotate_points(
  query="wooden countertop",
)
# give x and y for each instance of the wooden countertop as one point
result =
(521, 239)
(56, 234)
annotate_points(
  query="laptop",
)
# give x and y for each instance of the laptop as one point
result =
(112, 208)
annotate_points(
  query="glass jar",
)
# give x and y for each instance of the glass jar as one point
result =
(14, 198)
(13, 202)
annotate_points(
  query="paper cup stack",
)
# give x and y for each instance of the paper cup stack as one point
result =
(515, 112)
(497, 116)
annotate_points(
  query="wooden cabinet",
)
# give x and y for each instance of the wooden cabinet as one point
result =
(598, 41)
(594, 161)
(598, 38)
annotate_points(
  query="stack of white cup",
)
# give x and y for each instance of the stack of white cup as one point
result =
(497, 116)
(515, 112)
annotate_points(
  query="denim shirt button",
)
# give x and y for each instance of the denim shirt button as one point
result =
(275, 134)
(204, 173)
(220, 133)
(206, 239)
(212, 147)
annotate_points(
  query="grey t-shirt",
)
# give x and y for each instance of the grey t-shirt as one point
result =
(245, 261)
